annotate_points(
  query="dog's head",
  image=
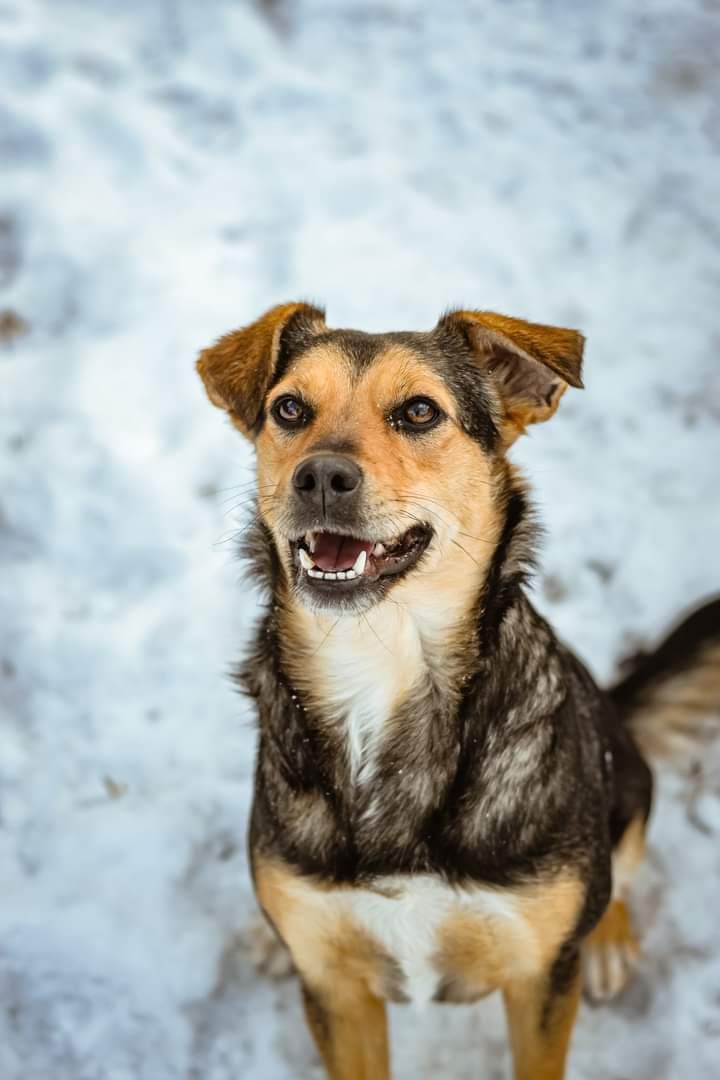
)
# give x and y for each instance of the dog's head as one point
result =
(377, 454)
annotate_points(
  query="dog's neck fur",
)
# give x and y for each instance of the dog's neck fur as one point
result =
(356, 671)
(424, 643)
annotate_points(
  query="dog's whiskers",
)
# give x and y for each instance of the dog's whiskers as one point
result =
(419, 500)
(376, 635)
(316, 651)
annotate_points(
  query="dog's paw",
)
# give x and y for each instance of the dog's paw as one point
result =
(267, 953)
(609, 954)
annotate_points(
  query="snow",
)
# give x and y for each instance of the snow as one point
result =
(169, 170)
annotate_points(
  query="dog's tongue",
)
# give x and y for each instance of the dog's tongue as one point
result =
(334, 552)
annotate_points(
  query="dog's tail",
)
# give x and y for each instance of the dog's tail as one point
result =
(670, 698)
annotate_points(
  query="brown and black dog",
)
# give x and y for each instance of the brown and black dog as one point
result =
(445, 802)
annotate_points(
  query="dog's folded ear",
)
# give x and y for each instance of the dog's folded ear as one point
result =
(530, 364)
(239, 369)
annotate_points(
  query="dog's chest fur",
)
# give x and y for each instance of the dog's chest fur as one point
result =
(411, 922)
(384, 753)
(361, 681)
(363, 672)
(417, 938)
(398, 741)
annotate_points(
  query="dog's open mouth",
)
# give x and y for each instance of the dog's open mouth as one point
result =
(348, 561)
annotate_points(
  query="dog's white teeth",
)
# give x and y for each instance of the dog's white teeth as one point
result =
(311, 540)
(359, 564)
(379, 549)
(332, 575)
(305, 560)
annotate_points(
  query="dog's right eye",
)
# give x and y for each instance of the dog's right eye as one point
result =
(290, 412)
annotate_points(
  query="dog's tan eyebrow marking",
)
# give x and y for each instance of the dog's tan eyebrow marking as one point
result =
(328, 374)
(400, 374)
(326, 377)
(325, 355)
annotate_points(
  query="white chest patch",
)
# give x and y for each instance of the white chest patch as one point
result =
(413, 937)
(367, 667)
(405, 916)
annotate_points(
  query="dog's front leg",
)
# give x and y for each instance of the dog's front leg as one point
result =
(349, 1026)
(540, 1013)
(339, 968)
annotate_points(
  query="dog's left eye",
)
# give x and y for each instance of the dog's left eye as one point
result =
(417, 414)
(290, 411)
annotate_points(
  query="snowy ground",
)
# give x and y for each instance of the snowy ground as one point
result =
(168, 171)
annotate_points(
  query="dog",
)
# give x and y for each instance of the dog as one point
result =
(446, 804)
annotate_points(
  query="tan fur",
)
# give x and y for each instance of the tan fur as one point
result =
(681, 713)
(323, 942)
(237, 369)
(540, 1042)
(611, 950)
(349, 974)
(610, 953)
(554, 346)
(311, 917)
(627, 856)
(421, 483)
(343, 970)
(532, 364)
(400, 482)
(353, 1040)
(471, 950)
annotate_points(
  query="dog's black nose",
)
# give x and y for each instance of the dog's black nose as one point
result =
(324, 480)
